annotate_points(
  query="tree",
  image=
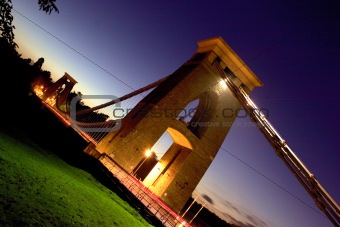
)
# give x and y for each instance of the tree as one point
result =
(6, 17)
(6, 20)
(38, 64)
(48, 6)
(28, 61)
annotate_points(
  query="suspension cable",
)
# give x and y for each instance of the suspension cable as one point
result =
(134, 93)
(320, 196)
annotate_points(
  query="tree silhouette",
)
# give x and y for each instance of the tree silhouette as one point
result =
(38, 64)
(48, 6)
(43, 79)
(20, 75)
(100, 117)
(6, 17)
(6, 20)
(28, 60)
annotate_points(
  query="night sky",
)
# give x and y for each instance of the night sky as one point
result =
(115, 47)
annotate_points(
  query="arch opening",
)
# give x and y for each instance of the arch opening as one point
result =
(188, 112)
(178, 148)
(162, 145)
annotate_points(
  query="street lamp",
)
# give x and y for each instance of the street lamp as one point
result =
(197, 213)
(189, 206)
(147, 154)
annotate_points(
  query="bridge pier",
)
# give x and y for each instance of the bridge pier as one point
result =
(195, 143)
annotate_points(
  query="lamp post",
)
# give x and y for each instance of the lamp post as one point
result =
(147, 154)
(197, 213)
(189, 206)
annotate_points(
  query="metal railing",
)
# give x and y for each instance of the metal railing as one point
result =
(154, 205)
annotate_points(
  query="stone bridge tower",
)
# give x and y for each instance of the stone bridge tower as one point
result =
(195, 143)
(60, 90)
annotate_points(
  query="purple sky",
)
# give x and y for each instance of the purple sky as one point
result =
(113, 47)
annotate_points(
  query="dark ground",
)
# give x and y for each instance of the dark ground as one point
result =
(41, 127)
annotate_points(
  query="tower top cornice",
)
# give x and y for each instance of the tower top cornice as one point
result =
(230, 59)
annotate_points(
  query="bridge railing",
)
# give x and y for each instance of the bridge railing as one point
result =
(154, 205)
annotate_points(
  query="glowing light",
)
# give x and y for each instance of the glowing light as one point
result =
(181, 224)
(223, 84)
(38, 90)
(154, 173)
(51, 101)
(148, 153)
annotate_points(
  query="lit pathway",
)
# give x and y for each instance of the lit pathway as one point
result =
(167, 216)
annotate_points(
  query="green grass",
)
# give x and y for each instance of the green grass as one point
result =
(39, 189)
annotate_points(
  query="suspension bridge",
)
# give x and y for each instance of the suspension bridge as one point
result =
(217, 78)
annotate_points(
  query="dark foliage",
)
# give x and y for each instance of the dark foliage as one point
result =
(205, 218)
(18, 76)
(6, 20)
(6, 17)
(48, 6)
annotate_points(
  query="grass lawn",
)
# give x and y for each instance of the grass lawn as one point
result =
(37, 188)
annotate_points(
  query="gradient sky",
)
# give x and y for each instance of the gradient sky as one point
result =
(115, 47)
